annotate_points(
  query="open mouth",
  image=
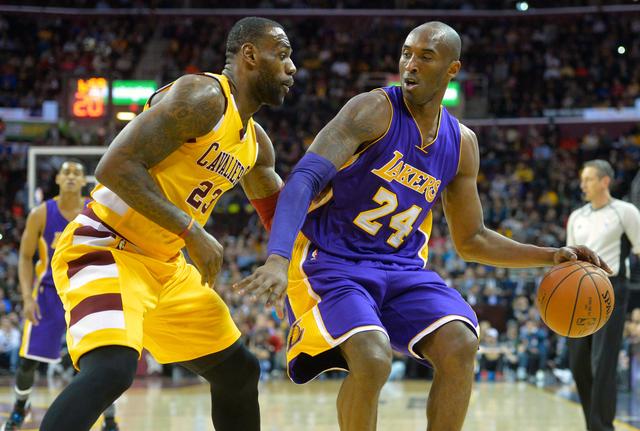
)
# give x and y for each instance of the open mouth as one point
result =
(410, 83)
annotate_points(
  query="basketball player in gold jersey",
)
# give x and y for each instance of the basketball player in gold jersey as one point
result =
(118, 267)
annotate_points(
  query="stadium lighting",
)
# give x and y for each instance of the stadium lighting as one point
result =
(125, 116)
(621, 50)
(522, 6)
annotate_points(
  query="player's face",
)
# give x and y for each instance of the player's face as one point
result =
(71, 177)
(591, 184)
(425, 67)
(275, 67)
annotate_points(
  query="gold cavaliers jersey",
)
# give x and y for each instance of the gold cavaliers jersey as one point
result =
(193, 178)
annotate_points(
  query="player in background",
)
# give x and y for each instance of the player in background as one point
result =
(357, 283)
(44, 323)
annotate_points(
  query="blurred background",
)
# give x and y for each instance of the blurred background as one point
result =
(545, 85)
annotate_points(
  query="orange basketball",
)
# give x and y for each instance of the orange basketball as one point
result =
(575, 299)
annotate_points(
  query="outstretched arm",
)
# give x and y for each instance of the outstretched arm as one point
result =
(363, 119)
(473, 241)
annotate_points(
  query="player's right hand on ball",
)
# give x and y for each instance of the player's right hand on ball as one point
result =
(31, 310)
(268, 281)
(206, 253)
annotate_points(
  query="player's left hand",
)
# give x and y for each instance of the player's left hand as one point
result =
(580, 252)
(268, 281)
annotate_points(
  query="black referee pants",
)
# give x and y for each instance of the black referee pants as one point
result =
(594, 363)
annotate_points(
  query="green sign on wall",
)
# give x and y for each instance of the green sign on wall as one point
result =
(127, 92)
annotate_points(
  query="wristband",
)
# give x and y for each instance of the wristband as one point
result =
(187, 229)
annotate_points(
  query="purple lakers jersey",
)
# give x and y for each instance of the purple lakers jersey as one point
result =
(53, 227)
(378, 206)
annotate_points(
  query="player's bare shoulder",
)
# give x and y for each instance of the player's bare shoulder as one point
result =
(469, 162)
(38, 215)
(363, 119)
(370, 113)
(198, 101)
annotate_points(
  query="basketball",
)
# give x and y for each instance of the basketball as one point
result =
(575, 299)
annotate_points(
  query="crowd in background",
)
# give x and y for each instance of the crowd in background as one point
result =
(528, 180)
(562, 62)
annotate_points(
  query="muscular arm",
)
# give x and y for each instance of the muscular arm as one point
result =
(462, 208)
(363, 119)
(262, 181)
(28, 246)
(189, 109)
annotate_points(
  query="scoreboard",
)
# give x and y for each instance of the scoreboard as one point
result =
(89, 98)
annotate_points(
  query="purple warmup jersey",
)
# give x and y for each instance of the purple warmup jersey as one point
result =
(378, 206)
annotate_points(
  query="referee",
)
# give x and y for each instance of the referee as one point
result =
(611, 228)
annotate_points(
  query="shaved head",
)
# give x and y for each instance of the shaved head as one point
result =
(445, 38)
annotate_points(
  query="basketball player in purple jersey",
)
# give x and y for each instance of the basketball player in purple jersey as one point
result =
(43, 311)
(357, 283)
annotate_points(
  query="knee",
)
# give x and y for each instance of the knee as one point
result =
(118, 379)
(368, 355)
(239, 373)
(110, 368)
(453, 350)
(28, 365)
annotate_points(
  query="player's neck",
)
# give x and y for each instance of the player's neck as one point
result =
(425, 113)
(601, 201)
(246, 105)
(70, 201)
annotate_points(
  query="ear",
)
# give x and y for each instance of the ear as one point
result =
(454, 68)
(248, 51)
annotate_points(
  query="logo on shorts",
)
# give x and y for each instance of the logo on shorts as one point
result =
(295, 335)
(314, 254)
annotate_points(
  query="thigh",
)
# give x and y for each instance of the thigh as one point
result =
(417, 304)
(190, 320)
(328, 301)
(105, 293)
(42, 342)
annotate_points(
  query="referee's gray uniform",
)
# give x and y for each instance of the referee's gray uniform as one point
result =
(613, 232)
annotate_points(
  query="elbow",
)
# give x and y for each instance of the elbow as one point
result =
(101, 174)
(108, 171)
(470, 249)
(465, 252)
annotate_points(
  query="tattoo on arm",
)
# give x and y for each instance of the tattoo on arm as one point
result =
(190, 108)
(363, 119)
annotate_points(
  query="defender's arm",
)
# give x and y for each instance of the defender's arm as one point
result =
(189, 109)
